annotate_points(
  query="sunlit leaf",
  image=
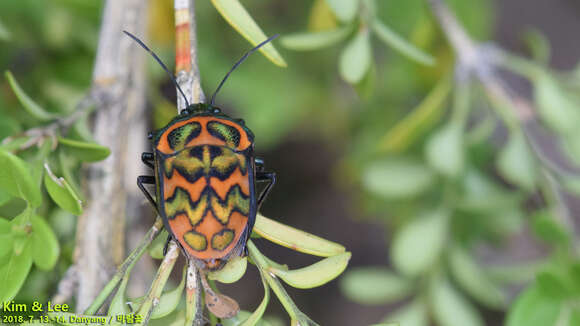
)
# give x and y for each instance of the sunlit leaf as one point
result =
(62, 193)
(444, 150)
(315, 40)
(355, 59)
(418, 244)
(450, 308)
(237, 16)
(401, 45)
(374, 285)
(533, 309)
(473, 280)
(295, 239)
(396, 178)
(88, 152)
(27, 103)
(316, 274)
(45, 247)
(345, 10)
(231, 272)
(16, 179)
(516, 162)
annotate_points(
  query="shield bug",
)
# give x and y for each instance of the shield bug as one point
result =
(205, 178)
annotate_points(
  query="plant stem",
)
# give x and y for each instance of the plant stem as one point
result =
(194, 307)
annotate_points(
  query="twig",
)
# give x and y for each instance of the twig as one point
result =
(194, 300)
(67, 286)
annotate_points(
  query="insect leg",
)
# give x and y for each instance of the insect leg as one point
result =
(270, 177)
(166, 245)
(147, 159)
(147, 179)
(259, 162)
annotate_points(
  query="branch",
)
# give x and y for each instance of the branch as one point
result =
(119, 87)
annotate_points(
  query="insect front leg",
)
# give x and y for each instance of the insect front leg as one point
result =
(147, 159)
(146, 179)
(269, 177)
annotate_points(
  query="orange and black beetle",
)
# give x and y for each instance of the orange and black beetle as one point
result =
(205, 180)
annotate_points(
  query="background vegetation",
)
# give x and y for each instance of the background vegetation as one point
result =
(457, 204)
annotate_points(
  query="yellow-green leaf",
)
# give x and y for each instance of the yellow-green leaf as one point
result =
(14, 273)
(27, 103)
(344, 10)
(16, 178)
(169, 301)
(315, 40)
(237, 16)
(88, 152)
(374, 285)
(517, 163)
(62, 193)
(355, 59)
(231, 272)
(255, 317)
(316, 274)
(401, 45)
(444, 150)
(45, 247)
(295, 239)
(450, 308)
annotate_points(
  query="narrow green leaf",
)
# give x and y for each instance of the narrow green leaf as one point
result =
(413, 314)
(473, 279)
(61, 192)
(344, 10)
(27, 103)
(14, 273)
(444, 150)
(538, 44)
(156, 247)
(315, 40)
(237, 16)
(355, 59)
(450, 308)
(426, 114)
(482, 195)
(231, 272)
(118, 305)
(531, 308)
(545, 226)
(517, 163)
(554, 283)
(16, 179)
(401, 45)
(88, 152)
(374, 286)
(45, 247)
(418, 245)
(169, 301)
(396, 178)
(316, 274)
(556, 108)
(295, 239)
(255, 317)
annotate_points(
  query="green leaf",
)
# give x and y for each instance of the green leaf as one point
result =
(29, 105)
(118, 304)
(316, 274)
(444, 150)
(450, 308)
(237, 16)
(482, 195)
(554, 283)
(344, 10)
(531, 308)
(14, 273)
(538, 44)
(396, 178)
(401, 45)
(87, 152)
(408, 130)
(5, 34)
(473, 279)
(62, 193)
(315, 40)
(545, 226)
(156, 247)
(556, 108)
(16, 179)
(517, 163)
(418, 245)
(374, 285)
(45, 247)
(169, 301)
(295, 239)
(413, 314)
(355, 60)
(256, 316)
(6, 240)
(231, 272)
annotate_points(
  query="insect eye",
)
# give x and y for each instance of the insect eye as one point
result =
(216, 110)
(150, 135)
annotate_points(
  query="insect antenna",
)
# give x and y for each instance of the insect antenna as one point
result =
(244, 57)
(160, 63)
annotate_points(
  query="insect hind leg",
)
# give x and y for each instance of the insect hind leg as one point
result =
(146, 179)
(147, 159)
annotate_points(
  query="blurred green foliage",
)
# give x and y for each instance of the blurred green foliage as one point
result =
(444, 169)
